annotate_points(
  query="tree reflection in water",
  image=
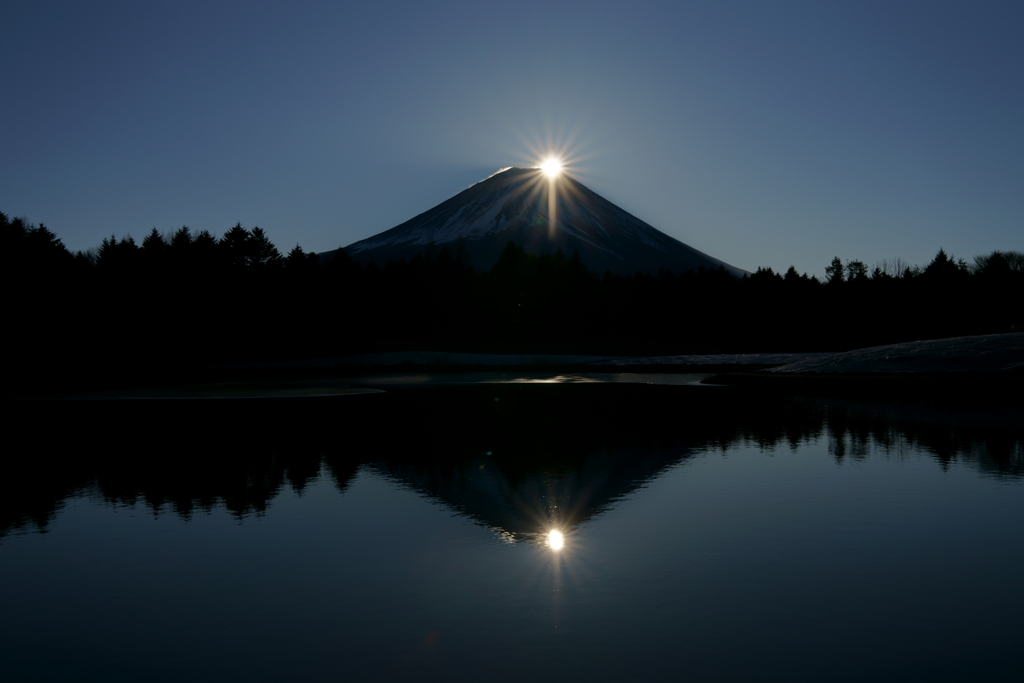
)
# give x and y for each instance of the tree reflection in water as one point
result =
(520, 459)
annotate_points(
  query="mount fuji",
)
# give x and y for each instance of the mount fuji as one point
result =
(540, 214)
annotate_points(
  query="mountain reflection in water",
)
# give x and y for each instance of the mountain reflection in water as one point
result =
(512, 532)
(518, 459)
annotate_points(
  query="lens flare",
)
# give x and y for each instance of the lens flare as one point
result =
(556, 540)
(551, 166)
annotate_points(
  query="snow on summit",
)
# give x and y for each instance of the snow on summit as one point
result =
(542, 215)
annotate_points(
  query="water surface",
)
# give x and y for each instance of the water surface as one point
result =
(406, 536)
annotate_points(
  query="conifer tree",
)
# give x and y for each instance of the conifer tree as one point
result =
(261, 251)
(834, 272)
(234, 246)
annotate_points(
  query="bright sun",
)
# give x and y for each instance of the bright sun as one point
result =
(551, 167)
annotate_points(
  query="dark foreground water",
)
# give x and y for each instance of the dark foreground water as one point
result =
(408, 536)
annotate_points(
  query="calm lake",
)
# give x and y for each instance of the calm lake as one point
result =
(518, 532)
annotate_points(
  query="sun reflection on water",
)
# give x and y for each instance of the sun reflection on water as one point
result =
(556, 539)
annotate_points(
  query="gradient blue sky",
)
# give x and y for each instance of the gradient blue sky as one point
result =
(763, 133)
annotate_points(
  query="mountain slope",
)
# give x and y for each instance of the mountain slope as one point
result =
(542, 215)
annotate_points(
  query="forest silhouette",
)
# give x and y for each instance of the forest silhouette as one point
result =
(191, 299)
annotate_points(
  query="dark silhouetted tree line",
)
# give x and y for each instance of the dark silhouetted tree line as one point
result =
(188, 299)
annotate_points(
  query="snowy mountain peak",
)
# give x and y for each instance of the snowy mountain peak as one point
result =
(542, 215)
